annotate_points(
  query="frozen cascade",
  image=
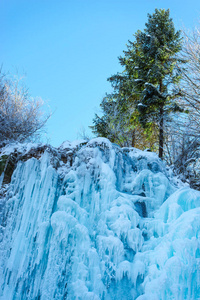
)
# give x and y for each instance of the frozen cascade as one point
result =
(90, 220)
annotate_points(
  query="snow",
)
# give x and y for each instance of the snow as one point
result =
(18, 147)
(113, 224)
(72, 145)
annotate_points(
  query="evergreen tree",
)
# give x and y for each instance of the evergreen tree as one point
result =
(154, 57)
(145, 91)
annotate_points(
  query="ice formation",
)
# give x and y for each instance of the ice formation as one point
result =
(90, 220)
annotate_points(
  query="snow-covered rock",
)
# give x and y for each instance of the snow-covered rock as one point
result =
(90, 220)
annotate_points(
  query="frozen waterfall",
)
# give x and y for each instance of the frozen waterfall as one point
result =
(92, 221)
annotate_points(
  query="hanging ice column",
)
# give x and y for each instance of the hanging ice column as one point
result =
(94, 221)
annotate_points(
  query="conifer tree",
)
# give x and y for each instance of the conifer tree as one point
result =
(154, 57)
(146, 87)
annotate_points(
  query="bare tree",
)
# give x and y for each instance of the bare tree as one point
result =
(21, 116)
(190, 84)
(182, 148)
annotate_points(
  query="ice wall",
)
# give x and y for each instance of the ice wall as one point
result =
(93, 221)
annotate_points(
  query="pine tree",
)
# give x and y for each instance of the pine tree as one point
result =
(154, 57)
(145, 92)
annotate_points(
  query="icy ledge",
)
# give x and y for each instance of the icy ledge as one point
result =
(90, 220)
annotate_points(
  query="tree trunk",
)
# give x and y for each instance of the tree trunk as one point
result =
(161, 125)
(133, 138)
(161, 133)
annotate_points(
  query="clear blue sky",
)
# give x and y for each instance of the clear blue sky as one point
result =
(68, 49)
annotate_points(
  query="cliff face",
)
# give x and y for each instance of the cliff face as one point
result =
(90, 220)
